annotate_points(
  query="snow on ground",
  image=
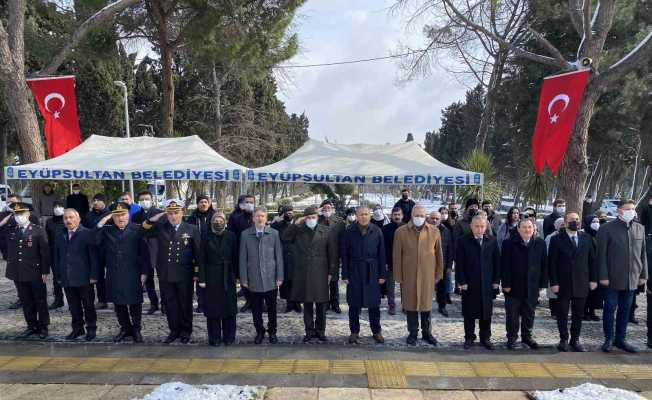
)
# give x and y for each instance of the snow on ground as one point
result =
(182, 391)
(587, 391)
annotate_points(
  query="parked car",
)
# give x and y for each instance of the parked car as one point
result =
(610, 206)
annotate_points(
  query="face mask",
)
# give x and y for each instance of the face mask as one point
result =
(58, 211)
(418, 221)
(444, 217)
(21, 220)
(218, 227)
(248, 207)
(327, 214)
(350, 218)
(287, 218)
(628, 215)
(75, 191)
(473, 212)
(146, 204)
(560, 210)
(453, 214)
(404, 197)
(595, 226)
(311, 223)
(572, 226)
(378, 215)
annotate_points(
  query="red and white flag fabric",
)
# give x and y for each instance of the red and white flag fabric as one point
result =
(559, 102)
(56, 99)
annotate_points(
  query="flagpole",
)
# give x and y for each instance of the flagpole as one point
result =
(124, 88)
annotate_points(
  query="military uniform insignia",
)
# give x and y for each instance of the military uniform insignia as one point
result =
(185, 238)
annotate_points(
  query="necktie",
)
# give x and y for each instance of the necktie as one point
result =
(71, 234)
(575, 241)
(479, 241)
(259, 234)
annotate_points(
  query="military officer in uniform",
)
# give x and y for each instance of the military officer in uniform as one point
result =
(28, 265)
(126, 254)
(178, 261)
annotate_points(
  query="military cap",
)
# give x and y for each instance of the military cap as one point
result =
(173, 205)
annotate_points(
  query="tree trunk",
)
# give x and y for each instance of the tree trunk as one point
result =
(217, 92)
(168, 84)
(20, 106)
(488, 114)
(574, 168)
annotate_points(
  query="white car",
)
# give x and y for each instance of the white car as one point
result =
(610, 206)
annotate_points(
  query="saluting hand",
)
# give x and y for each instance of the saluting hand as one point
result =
(44, 278)
(93, 281)
(143, 279)
(157, 217)
(604, 282)
(5, 220)
(464, 287)
(555, 288)
(202, 285)
(381, 281)
(104, 220)
(593, 285)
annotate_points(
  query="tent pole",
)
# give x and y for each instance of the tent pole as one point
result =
(482, 191)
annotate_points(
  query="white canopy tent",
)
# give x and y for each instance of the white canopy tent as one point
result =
(363, 163)
(137, 158)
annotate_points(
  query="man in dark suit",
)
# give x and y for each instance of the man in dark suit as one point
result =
(524, 272)
(442, 295)
(573, 272)
(77, 270)
(558, 211)
(28, 265)
(77, 200)
(178, 261)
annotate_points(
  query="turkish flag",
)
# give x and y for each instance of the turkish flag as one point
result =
(559, 101)
(56, 99)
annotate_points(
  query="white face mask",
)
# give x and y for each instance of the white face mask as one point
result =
(560, 210)
(595, 226)
(351, 218)
(75, 191)
(58, 211)
(247, 207)
(21, 220)
(327, 214)
(418, 221)
(146, 204)
(444, 217)
(378, 215)
(311, 223)
(628, 215)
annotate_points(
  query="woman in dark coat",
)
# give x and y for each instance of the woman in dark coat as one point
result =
(595, 299)
(477, 271)
(217, 274)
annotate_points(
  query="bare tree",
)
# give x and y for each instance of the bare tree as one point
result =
(12, 70)
(593, 23)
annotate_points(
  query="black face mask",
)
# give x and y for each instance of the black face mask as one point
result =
(472, 212)
(573, 226)
(405, 197)
(287, 218)
(452, 214)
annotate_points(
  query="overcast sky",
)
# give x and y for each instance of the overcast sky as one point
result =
(362, 102)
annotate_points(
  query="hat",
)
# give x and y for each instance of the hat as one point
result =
(173, 205)
(100, 197)
(202, 197)
(472, 201)
(21, 207)
(310, 210)
(120, 208)
(327, 201)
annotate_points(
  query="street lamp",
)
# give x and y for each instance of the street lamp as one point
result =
(124, 89)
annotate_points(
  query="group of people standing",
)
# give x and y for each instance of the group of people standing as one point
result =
(303, 258)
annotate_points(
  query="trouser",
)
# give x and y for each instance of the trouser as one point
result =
(553, 305)
(334, 292)
(57, 290)
(518, 312)
(178, 303)
(633, 307)
(311, 323)
(441, 290)
(129, 316)
(150, 286)
(201, 292)
(221, 329)
(620, 300)
(413, 322)
(100, 287)
(576, 305)
(374, 319)
(285, 290)
(33, 296)
(82, 307)
(391, 289)
(257, 299)
(469, 329)
(649, 317)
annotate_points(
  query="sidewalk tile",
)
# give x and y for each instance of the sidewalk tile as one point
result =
(124, 392)
(493, 395)
(396, 394)
(448, 395)
(292, 393)
(344, 394)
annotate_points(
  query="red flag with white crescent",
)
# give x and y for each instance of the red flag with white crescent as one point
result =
(559, 102)
(56, 99)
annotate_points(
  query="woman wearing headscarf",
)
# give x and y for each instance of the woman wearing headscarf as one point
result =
(594, 301)
(217, 271)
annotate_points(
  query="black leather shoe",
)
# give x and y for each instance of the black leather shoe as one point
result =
(138, 337)
(246, 307)
(443, 311)
(307, 337)
(321, 336)
(163, 309)
(649, 343)
(75, 334)
(57, 303)
(411, 340)
(562, 346)
(171, 338)
(43, 333)
(199, 310)
(120, 336)
(633, 320)
(468, 343)
(185, 339)
(624, 346)
(336, 308)
(259, 337)
(90, 335)
(487, 344)
(577, 347)
(531, 344)
(353, 338)
(272, 338)
(289, 308)
(607, 346)
(511, 344)
(298, 308)
(430, 339)
(595, 318)
(102, 306)
(27, 333)
(378, 338)
(152, 310)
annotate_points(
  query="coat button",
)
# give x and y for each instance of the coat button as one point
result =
(20, 259)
